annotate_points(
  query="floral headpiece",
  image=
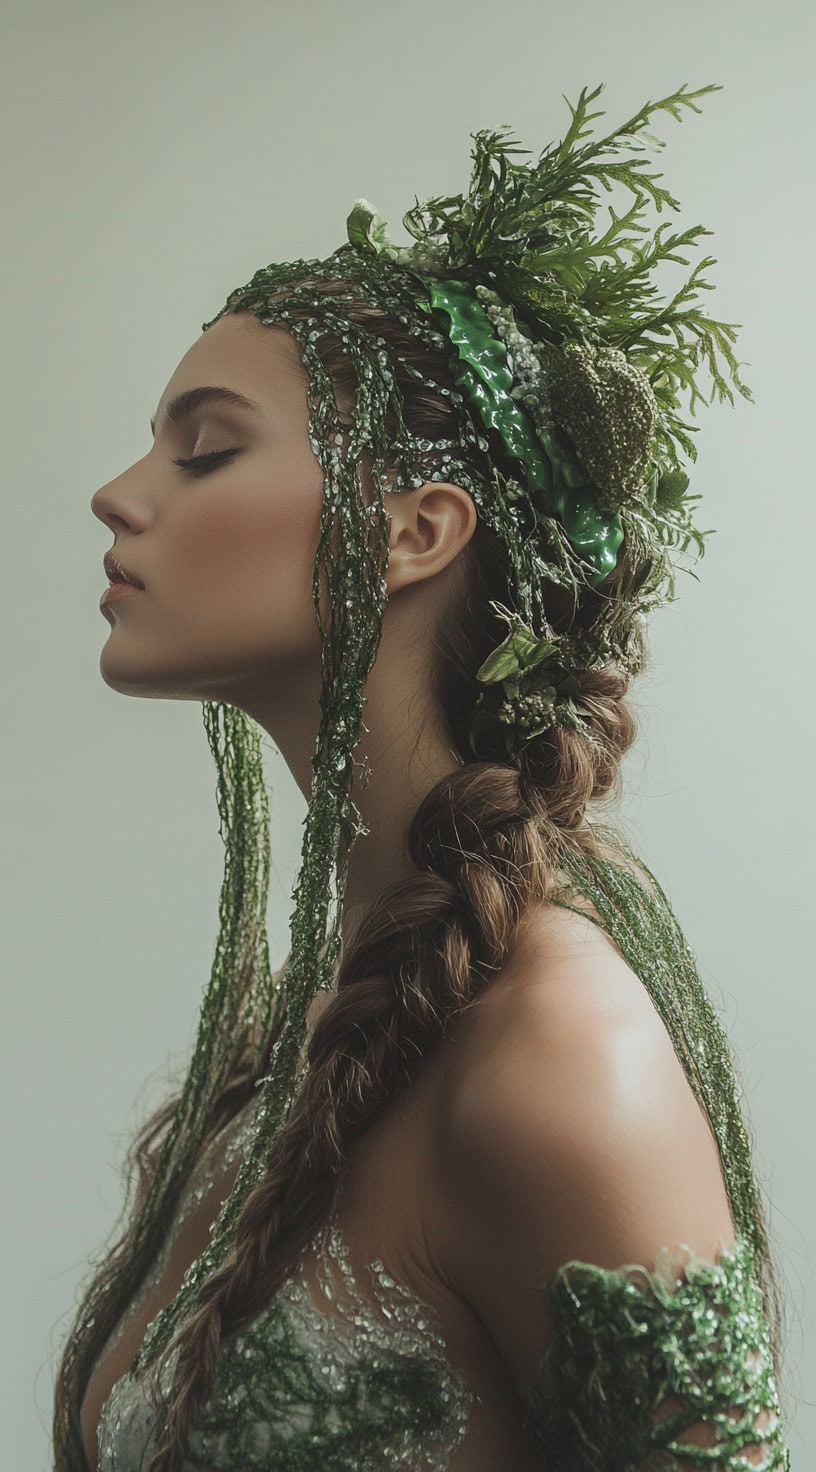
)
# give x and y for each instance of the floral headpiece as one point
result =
(561, 347)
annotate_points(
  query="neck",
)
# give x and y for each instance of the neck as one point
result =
(403, 741)
(401, 779)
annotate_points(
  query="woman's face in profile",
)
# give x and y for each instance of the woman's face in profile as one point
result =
(226, 557)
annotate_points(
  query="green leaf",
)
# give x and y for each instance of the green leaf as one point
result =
(366, 227)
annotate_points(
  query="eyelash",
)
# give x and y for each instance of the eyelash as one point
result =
(201, 464)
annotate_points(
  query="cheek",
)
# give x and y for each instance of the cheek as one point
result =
(248, 557)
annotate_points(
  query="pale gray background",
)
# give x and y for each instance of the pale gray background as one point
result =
(154, 155)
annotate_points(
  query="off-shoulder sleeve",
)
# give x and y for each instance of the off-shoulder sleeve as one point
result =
(635, 1359)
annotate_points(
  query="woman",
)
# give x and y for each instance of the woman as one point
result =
(466, 1184)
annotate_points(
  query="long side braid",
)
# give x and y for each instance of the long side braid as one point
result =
(423, 953)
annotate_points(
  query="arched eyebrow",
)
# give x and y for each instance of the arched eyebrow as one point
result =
(193, 398)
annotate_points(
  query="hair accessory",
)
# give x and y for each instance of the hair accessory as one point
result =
(561, 349)
(538, 680)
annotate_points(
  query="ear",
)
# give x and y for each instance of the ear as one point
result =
(429, 528)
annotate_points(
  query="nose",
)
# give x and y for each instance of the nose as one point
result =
(103, 500)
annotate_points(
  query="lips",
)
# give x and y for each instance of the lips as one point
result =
(117, 573)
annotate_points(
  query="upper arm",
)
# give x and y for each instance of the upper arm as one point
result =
(578, 1139)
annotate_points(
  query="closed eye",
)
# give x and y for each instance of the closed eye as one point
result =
(201, 464)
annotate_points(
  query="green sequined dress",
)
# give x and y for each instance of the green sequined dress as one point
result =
(361, 1380)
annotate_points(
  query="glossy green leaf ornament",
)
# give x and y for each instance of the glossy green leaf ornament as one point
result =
(554, 473)
(481, 367)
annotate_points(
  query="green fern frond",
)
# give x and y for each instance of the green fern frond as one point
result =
(525, 230)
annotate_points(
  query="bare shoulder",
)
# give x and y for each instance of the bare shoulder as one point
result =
(565, 986)
(568, 1130)
(563, 996)
(566, 1052)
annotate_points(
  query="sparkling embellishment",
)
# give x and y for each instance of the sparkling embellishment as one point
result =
(365, 1385)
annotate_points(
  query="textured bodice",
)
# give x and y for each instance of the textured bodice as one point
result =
(358, 1385)
(361, 1376)
(350, 1372)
